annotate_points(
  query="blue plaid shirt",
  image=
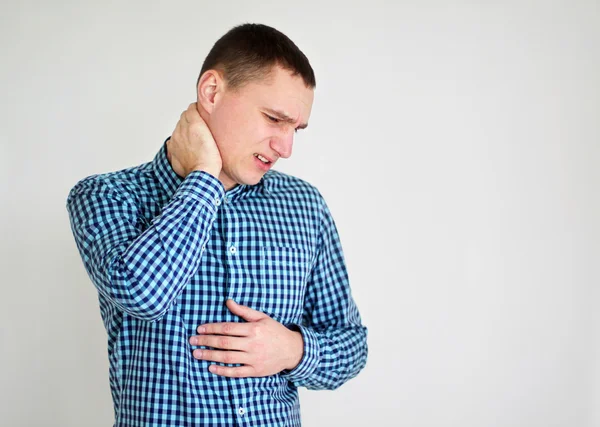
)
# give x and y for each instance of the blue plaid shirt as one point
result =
(165, 253)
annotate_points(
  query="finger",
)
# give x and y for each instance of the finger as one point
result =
(237, 372)
(246, 313)
(219, 341)
(192, 115)
(225, 328)
(221, 356)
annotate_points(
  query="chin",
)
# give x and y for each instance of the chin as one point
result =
(253, 180)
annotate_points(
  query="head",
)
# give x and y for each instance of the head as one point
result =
(255, 91)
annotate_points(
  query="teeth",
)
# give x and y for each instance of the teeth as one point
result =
(261, 158)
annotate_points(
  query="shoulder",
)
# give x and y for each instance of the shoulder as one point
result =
(284, 185)
(126, 184)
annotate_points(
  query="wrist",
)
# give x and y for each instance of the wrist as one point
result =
(296, 350)
(214, 171)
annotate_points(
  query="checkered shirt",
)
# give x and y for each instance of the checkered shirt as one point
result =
(164, 254)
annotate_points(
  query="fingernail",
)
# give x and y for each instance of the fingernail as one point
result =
(201, 329)
(198, 353)
(193, 341)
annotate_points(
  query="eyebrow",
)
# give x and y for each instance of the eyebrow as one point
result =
(284, 117)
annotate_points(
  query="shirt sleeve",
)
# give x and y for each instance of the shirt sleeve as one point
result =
(142, 272)
(335, 341)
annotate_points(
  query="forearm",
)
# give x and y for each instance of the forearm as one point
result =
(143, 274)
(153, 270)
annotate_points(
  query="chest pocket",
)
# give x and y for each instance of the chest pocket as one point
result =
(284, 272)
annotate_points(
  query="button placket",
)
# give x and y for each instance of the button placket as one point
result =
(231, 239)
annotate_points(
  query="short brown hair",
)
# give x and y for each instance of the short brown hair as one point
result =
(248, 52)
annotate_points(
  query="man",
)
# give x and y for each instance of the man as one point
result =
(222, 282)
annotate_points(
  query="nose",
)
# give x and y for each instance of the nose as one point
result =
(282, 144)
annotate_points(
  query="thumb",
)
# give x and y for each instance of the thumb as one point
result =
(246, 313)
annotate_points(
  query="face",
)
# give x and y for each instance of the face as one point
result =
(255, 126)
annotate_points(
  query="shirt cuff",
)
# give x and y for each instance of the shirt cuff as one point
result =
(203, 187)
(310, 358)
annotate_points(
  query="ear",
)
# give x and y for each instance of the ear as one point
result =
(209, 90)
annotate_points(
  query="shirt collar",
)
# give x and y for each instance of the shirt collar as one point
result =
(170, 181)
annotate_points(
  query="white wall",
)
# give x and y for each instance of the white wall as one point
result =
(456, 144)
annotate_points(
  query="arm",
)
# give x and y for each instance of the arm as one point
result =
(335, 341)
(142, 273)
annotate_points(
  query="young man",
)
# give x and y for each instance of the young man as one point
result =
(222, 282)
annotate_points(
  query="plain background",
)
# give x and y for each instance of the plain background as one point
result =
(457, 145)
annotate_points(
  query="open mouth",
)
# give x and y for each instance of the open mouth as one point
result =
(262, 159)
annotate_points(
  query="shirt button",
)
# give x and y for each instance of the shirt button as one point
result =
(217, 201)
(241, 411)
(232, 250)
(203, 247)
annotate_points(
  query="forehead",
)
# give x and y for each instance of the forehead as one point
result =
(281, 91)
